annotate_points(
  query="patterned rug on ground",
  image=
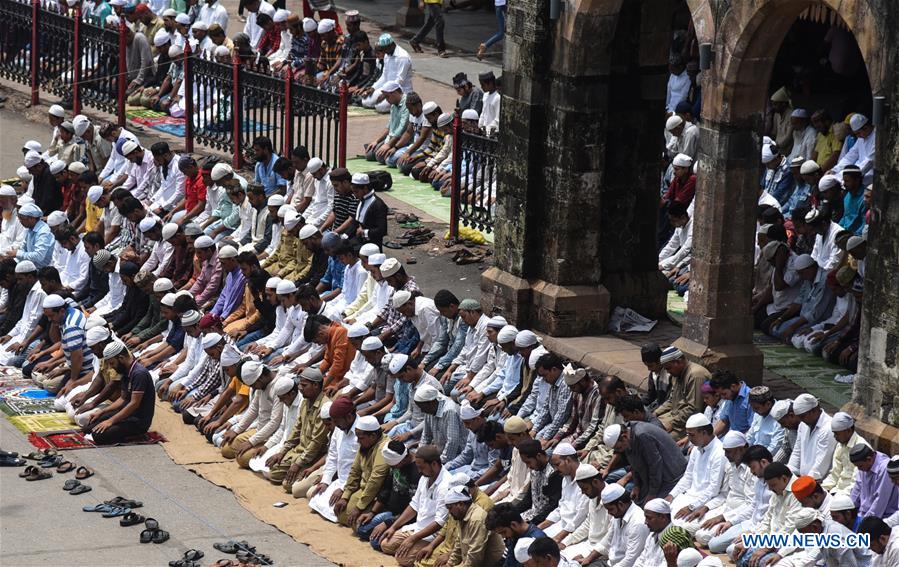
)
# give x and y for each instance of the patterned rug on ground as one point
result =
(66, 440)
(25, 400)
(55, 422)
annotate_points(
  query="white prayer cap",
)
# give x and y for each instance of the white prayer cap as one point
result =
(360, 179)
(219, 171)
(526, 339)
(307, 231)
(222, 51)
(611, 434)
(444, 119)
(507, 334)
(175, 51)
(113, 349)
(804, 403)
(292, 219)
(94, 321)
(682, 160)
(400, 298)
(112, 19)
(854, 242)
(25, 267)
(146, 223)
(658, 505)
(368, 249)
(161, 38)
(611, 493)
(390, 86)
(250, 372)
(671, 353)
(309, 25)
(497, 322)
(564, 450)
(211, 339)
(169, 13)
(535, 356)
(77, 167)
(804, 516)
(7, 191)
(203, 241)
(585, 471)
(57, 166)
(768, 154)
(828, 182)
(34, 146)
(314, 165)
(521, 549)
(230, 355)
(286, 287)
(80, 124)
(53, 301)
(780, 409)
(367, 423)
(841, 502)
(457, 494)
(357, 330)
(326, 25)
(32, 158)
(673, 122)
(168, 299)
(391, 457)
(799, 113)
(169, 230)
(281, 15)
(191, 317)
(697, 420)
(733, 439)
(466, 411)
(397, 362)
(31, 210)
(390, 266)
(57, 111)
(96, 335)
(56, 218)
(459, 479)
(841, 421)
(129, 147)
(372, 343)
(272, 282)
(688, 557)
(23, 174)
(429, 107)
(857, 122)
(162, 284)
(227, 251)
(470, 114)
(571, 375)
(710, 561)
(183, 19)
(284, 384)
(803, 261)
(275, 200)
(377, 259)
(199, 25)
(426, 393)
(809, 166)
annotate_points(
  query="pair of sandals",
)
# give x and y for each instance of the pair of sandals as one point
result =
(107, 510)
(74, 487)
(191, 559)
(33, 472)
(153, 533)
(10, 459)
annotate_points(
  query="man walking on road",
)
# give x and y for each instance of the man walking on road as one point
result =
(434, 20)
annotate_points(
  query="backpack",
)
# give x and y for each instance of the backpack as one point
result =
(380, 180)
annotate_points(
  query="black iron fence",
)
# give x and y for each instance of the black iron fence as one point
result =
(474, 179)
(15, 41)
(263, 105)
(56, 38)
(212, 92)
(317, 118)
(98, 73)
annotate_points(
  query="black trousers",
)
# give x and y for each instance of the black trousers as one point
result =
(127, 428)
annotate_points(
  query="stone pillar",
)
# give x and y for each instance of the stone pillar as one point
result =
(718, 324)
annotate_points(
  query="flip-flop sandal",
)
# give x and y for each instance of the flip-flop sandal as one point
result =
(124, 502)
(98, 508)
(65, 467)
(183, 563)
(52, 462)
(81, 489)
(160, 536)
(193, 555)
(116, 512)
(131, 519)
(12, 462)
(71, 484)
(35, 456)
(262, 560)
(39, 475)
(146, 536)
(29, 470)
(82, 473)
(229, 547)
(225, 563)
(392, 245)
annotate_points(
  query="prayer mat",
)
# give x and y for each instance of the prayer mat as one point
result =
(810, 372)
(141, 112)
(55, 422)
(676, 307)
(26, 401)
(353, 111)
(66, 440)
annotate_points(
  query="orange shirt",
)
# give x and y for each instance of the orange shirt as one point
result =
(339, 353)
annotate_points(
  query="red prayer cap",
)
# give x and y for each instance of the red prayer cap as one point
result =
(803, 487)
(341, 407)
(208, 321)
(140, 10)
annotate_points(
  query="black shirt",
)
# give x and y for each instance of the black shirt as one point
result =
(15, 305)
(139, 380)
(47, 192)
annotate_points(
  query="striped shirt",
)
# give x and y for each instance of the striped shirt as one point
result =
(435, 143)
(73, 338)
(344, 207)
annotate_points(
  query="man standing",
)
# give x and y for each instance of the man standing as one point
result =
(434, 20)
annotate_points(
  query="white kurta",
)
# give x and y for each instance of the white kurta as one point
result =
(274, 443)
(813, 452)
(572, 510)
(31, 313)
(624, 542)
(12, 233)
(322, 202)
(342, 451)
(75, 271)
(703, 483)
(588, 536)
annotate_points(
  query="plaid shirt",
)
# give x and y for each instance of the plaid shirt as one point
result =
(584, 417)
(445, 429)
(210, 379)
(549, 417)
(394, 319)
(330, 54)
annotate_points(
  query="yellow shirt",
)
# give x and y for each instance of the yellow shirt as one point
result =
(92, 216)
(825, 146)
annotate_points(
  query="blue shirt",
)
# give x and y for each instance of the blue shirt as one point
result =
(738, 413)
(333, 277)
(73, 339)
(765, 431)
(265, 174)
(779, 182)
(534, 532)
(800, 195)
(38, 246)
(853, 218)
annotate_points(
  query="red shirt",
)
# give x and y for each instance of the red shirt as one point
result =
(681, 192)
(68, 191)
(194, 191)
